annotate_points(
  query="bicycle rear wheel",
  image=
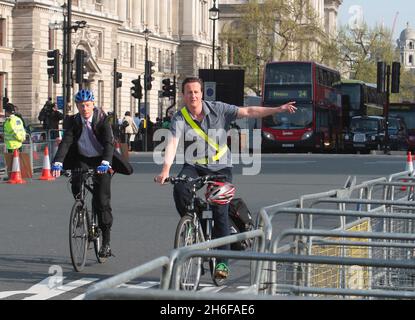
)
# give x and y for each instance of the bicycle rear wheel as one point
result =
(78, 236)
(186, 235)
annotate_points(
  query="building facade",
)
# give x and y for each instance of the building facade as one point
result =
(406, 47)
(180, 44)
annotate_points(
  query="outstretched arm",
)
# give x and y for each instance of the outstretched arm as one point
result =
(261, 112)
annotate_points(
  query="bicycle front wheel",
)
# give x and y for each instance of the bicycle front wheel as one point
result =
(186, 235)
(78, 236)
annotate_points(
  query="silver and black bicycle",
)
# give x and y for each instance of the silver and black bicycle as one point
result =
(83, 225)
(195, 227)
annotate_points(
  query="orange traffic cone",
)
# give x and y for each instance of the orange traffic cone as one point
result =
(408, 167)
(46, 174)
(16, 175)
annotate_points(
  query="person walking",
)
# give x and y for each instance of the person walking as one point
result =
(194, 122)
(129, 128)
(88, 143)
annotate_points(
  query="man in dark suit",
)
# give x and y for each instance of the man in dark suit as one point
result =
(88, 144)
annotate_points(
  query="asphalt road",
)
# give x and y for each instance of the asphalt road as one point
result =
(34, 249)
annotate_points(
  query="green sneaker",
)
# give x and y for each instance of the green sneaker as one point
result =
(221, 271)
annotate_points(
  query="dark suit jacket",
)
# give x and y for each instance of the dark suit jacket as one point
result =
(68, 152)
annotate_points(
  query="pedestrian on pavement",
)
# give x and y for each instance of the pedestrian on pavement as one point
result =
(88, 143)
(129, 128)
(14, 131)
(201, 116)
(50, 116)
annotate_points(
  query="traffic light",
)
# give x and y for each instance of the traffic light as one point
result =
(148, 79)
(396, 77)
(118, 77)
(53, 65)
(166, 87)
(381, 77)
(137, 90)
(169, 88)
(80, 68)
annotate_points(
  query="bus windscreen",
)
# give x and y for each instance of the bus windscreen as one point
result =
(302, 118)
(288, 74)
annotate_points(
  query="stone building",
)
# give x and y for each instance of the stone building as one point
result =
(180, 44)
(406, 47)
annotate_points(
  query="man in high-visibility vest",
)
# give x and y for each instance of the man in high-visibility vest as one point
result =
(194, 122)
(14, 131)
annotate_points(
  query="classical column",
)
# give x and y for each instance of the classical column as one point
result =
(163, 18)
(150, 15)
(136, 18)
(122, 10)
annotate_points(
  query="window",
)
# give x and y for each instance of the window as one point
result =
(411, 45)
(2, 32)
(132, 56)
(98, 5)
(411, 59)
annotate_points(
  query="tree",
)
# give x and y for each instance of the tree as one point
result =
(360, 49)
(274, 30)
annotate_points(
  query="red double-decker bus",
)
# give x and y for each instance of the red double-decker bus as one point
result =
(317, 125)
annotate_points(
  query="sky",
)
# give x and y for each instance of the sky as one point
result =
(378, 11)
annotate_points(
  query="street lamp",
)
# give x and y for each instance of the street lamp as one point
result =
(213, 15)
(146, 33)
(68, 27)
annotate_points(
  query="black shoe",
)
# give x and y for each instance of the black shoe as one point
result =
(105, 251)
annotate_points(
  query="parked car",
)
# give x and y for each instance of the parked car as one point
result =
(398, 134)
(365, 133)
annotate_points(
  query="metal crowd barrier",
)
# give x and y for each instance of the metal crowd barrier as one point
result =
(34, 145)
(354, 242)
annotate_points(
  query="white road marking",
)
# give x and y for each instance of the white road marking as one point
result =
(32, 290)
(46, 293)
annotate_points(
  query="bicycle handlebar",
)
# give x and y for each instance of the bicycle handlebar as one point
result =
(69, 173)
(203, 179)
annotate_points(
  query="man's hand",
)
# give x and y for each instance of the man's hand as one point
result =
(289, 107)
(103, 168)
(161, 178)
(56, 169)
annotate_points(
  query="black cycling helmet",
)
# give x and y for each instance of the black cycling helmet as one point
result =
(10, 108)
(84, 95)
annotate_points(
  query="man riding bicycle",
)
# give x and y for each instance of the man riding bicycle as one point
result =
(88, 143)
(197, 122)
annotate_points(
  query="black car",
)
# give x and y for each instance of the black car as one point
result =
(365, 133)
(398, 134)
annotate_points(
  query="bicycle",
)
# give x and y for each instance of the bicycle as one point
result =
(195, 227)
(83, 225)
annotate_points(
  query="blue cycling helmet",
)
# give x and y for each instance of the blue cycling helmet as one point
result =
(84, 95)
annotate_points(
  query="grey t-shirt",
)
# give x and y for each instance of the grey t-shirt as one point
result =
(216, 123)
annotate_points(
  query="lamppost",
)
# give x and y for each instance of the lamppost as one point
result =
(258, 91)
(213, 15)
(146, 33)
(67, 51)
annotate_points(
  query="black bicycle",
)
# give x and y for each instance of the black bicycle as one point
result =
(195, 227)
(83, 225)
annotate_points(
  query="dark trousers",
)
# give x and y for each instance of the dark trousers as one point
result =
(182, 197)
(101, 197)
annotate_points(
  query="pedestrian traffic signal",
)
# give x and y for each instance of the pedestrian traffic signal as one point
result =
(118, 77)
(137, 90)
(149, 71)
(53, 65)
(396, 77)
(169, 89)
(80, 67)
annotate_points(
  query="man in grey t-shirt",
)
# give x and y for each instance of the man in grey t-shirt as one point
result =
(209, 155)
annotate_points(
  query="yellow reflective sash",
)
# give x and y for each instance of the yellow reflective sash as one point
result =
(220, 150)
